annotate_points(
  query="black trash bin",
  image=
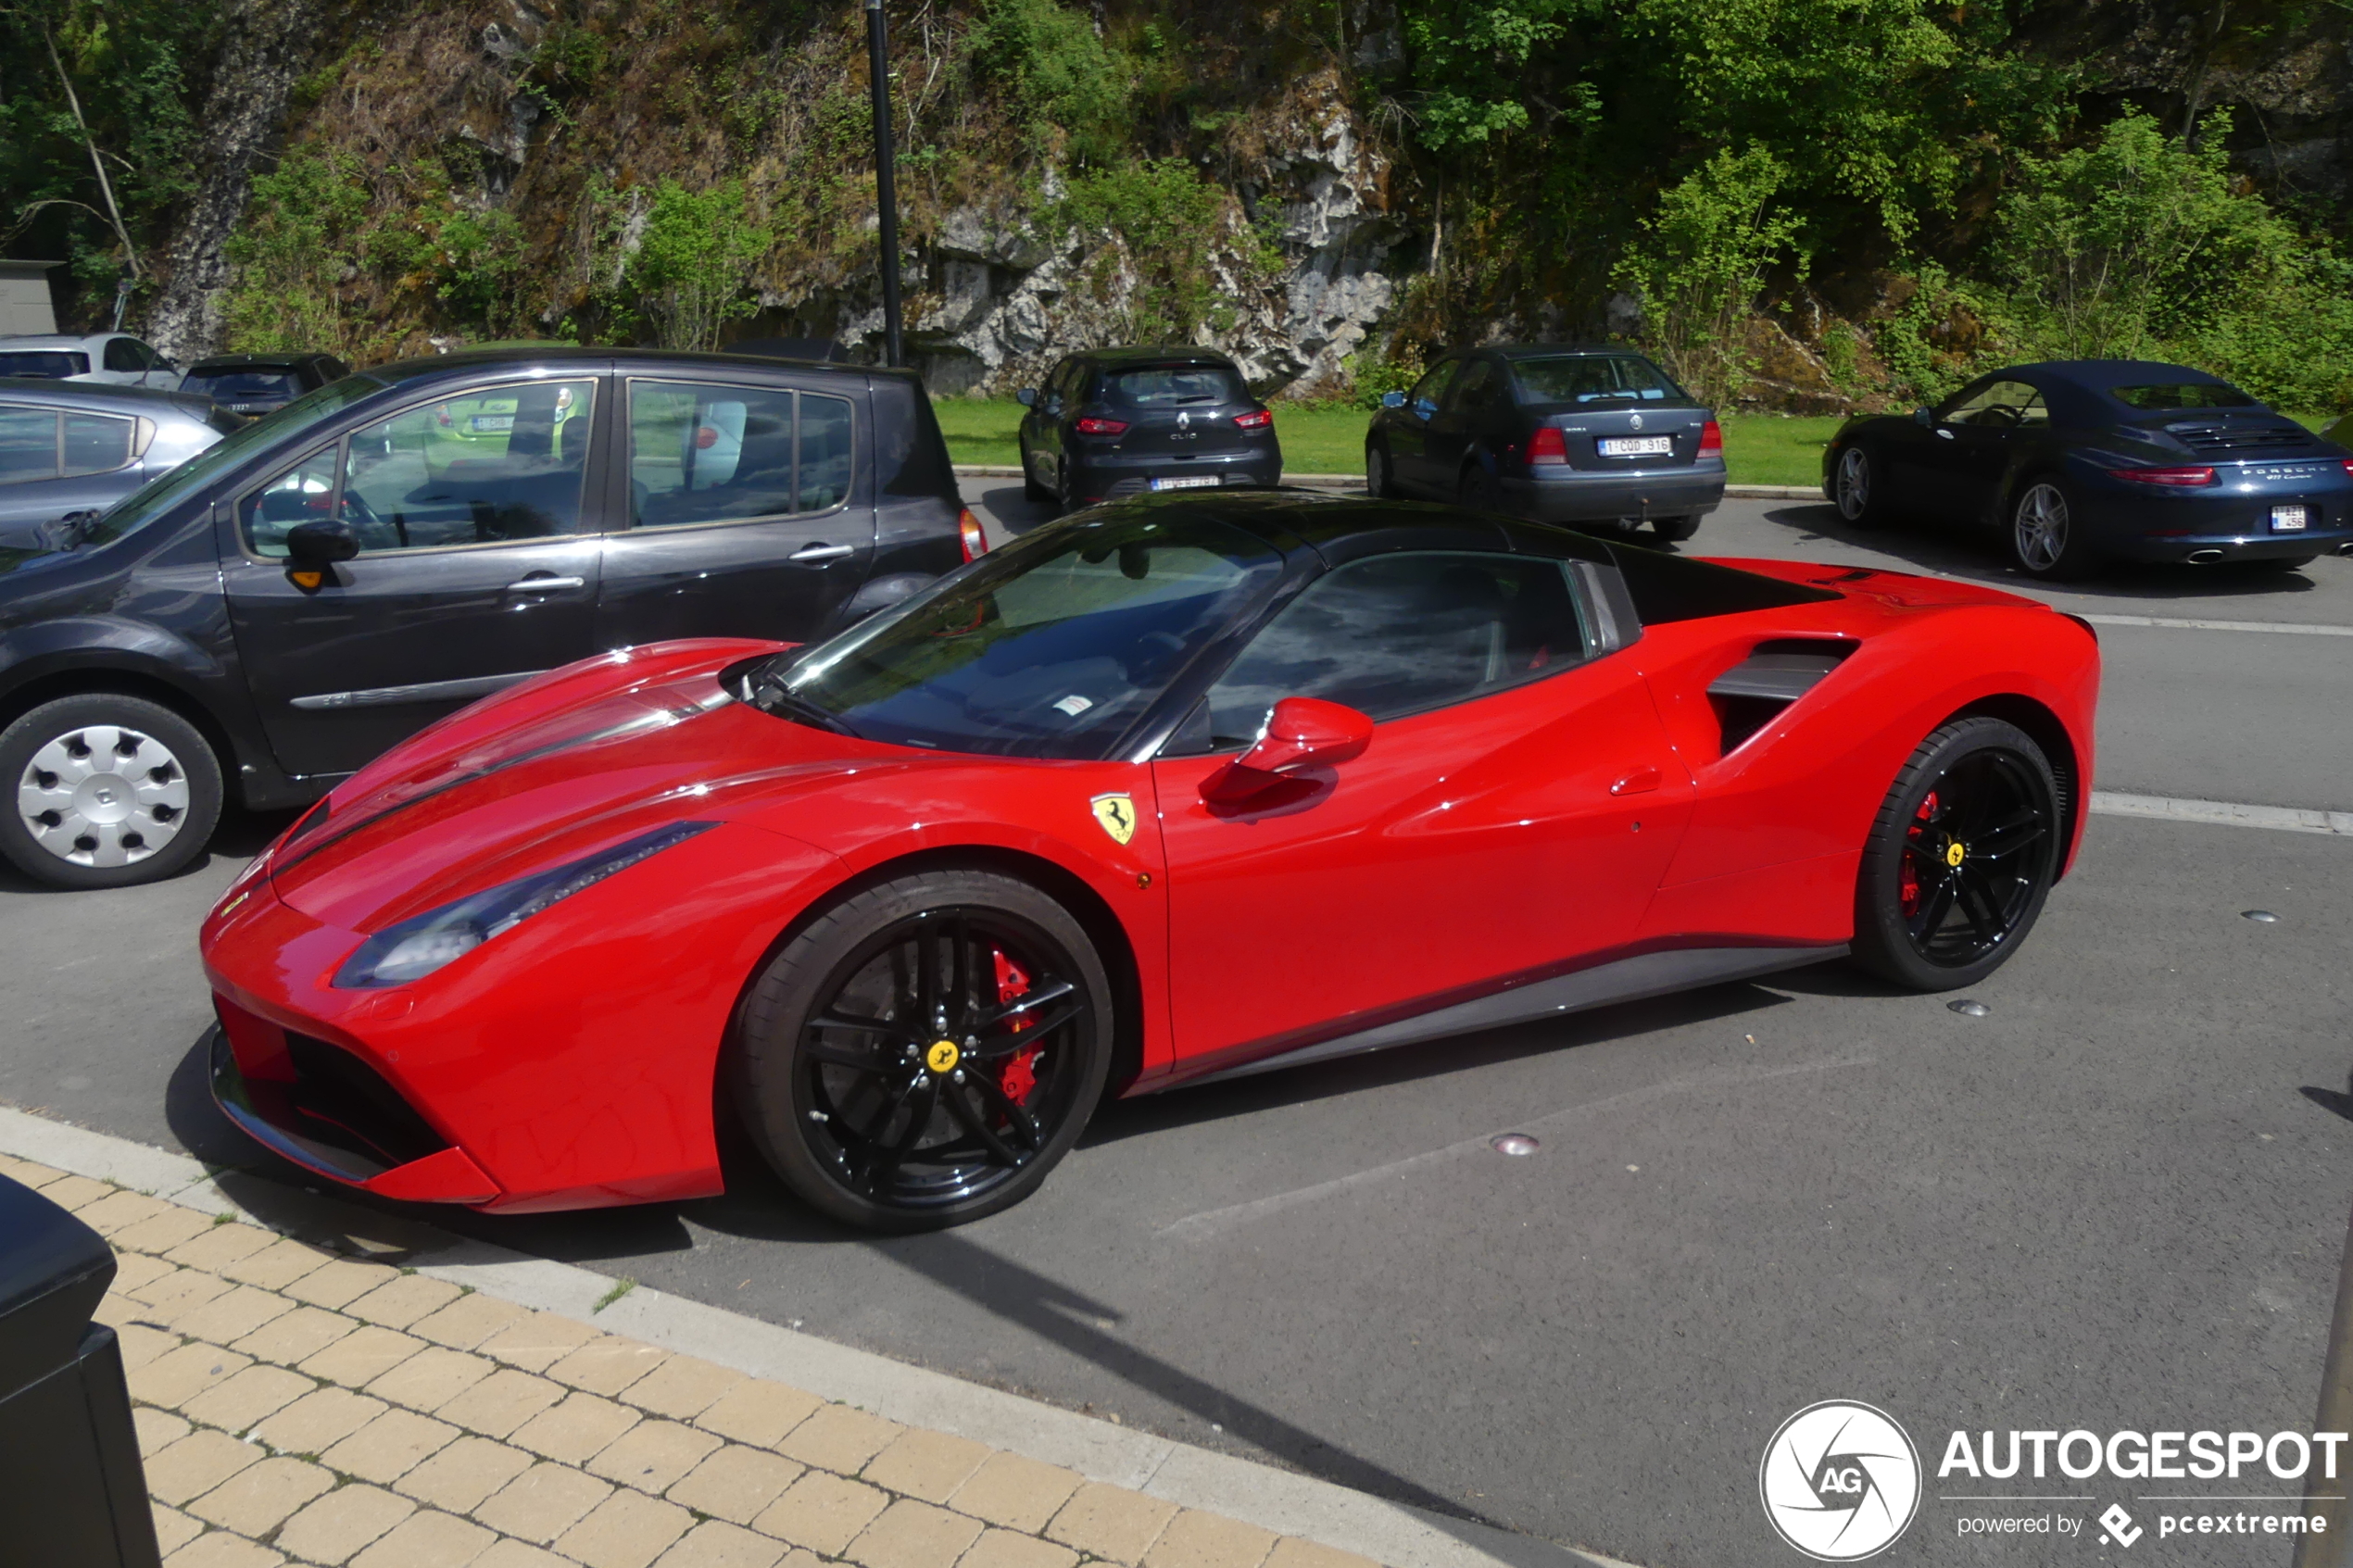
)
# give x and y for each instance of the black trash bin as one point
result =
(72, 1492)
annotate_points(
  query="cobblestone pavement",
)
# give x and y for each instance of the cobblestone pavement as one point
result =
(294, 1405)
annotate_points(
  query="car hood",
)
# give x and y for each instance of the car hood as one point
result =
(549, 771)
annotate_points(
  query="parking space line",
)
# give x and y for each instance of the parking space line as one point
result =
(2296, 628)
(1209, 1222)
(2229, 813)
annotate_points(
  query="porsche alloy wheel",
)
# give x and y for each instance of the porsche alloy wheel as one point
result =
(2044, 540)
(924, 1052)
(109, 791)
(1855, 489)
(1960, 858)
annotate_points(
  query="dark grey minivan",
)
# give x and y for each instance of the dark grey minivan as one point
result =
(67, 446)
(331, 578)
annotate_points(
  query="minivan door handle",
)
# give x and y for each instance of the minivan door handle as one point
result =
(823, 552)
(546, 583)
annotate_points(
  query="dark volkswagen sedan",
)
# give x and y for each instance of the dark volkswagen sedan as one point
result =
(2077, 462)
(71, 446)
(1127, 421)
(1554, 433)
(331, 578)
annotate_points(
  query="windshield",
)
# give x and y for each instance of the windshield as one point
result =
(1592, 378)
(2183, 395)
(1048, 648)
(158, 497)
(43, 364)
(1171, 386)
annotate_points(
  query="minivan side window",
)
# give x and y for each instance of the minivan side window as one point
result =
(27, 444)
(487, 466)
(700, 452)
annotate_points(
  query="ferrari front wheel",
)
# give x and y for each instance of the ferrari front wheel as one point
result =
(1960, 858)
(923, 1052)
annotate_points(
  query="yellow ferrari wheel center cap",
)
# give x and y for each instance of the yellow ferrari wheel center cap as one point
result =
(1955, 853)
(943, 1057)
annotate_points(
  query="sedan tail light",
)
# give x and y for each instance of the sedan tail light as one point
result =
(2349, 465)
(1545, 448)
(969, 533)
(1262, 420)
(1092, 425)
(2179, 478)
(1711, 440)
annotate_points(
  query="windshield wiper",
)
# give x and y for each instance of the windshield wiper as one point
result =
(771, 695)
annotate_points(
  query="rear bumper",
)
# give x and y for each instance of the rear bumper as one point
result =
(2208, 550)
(1116, 475)
(1600, 496)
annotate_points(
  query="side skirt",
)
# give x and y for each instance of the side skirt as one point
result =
(1621, 980)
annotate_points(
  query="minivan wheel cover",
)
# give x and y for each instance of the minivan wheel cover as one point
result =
(103, 796)
(2041, 528)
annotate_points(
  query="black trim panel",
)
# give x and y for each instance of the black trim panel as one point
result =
(423, 691)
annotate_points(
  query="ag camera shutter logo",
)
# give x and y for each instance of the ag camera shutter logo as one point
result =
(1840, 1481)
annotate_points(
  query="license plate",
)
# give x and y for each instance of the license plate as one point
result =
(1206, 481)
(492, 422)
(2290, 520)
(1636, 445)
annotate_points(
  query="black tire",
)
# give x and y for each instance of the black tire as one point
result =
(1059, 496)
(1675, 529)
(1380, 473)
(2045, 539)
(1960, 858)
(1858, 487)
(152, 776)
(1030, 489)
(1475, 489)
(843, 1130)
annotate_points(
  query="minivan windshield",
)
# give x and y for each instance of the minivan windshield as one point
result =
(158, 495)
(1051, 647)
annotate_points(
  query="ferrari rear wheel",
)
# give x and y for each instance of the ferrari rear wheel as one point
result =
(1960, 859)
(926, 1051)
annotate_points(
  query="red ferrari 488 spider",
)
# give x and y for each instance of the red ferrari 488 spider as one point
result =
(1171, 790)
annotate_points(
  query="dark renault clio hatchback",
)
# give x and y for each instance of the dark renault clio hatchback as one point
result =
(1553, 433)
(1129, 422)
(331, 578)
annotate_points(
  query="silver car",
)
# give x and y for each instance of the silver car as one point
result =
(68, 446)
(112, 359)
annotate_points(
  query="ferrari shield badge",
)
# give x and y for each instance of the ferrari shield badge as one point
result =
(1115, 814)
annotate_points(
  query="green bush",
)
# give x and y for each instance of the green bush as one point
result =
(1062, 78)
(1700, 262)
(692, 271)
(1164, 217)
(300, 237)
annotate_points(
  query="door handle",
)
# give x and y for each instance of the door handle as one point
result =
(1943, 432)
(1642, 781)
(823, 552)
(541, 582)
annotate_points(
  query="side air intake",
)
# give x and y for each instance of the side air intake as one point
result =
(1753, 693)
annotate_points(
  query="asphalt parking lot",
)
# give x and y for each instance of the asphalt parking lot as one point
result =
(2116, 1202)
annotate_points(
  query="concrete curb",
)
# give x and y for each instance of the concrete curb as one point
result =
(1356, 481)
(1272, 1498)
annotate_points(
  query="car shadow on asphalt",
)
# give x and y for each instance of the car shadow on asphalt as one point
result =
(2336, 1100)
(1975, 554)
(1015, 511)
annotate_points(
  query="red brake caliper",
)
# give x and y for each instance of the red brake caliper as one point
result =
(1020, 1076)
(1908, 881)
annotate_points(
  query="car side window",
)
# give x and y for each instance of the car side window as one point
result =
(489, 466)
(2000, 405)
(27, 444)
(98, 443)
(1073, 390)
(1432, 388)
(123, 355)
(1400, 635)
(705, 454)
(1476, 388)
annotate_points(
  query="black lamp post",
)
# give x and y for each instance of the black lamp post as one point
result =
(885, 177)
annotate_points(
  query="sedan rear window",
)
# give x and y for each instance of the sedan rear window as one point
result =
(2183, 394)
(1592, 378)
(245, 386)
(1170, 386)
(1051, 647)
(47, 364)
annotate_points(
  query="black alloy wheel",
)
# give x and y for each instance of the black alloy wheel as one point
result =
(923, 1053)
(1477, 489)
(1030, 489)
(1381, 474)
(1960, 858)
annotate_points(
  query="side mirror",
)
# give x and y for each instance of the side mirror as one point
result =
(1025, 396)
(1393, 400)
(312, 547)
(1923, 417)
(1303, 731)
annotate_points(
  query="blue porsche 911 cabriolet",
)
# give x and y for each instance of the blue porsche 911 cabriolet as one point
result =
(2082, 461)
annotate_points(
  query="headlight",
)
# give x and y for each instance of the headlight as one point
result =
(416, 948)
